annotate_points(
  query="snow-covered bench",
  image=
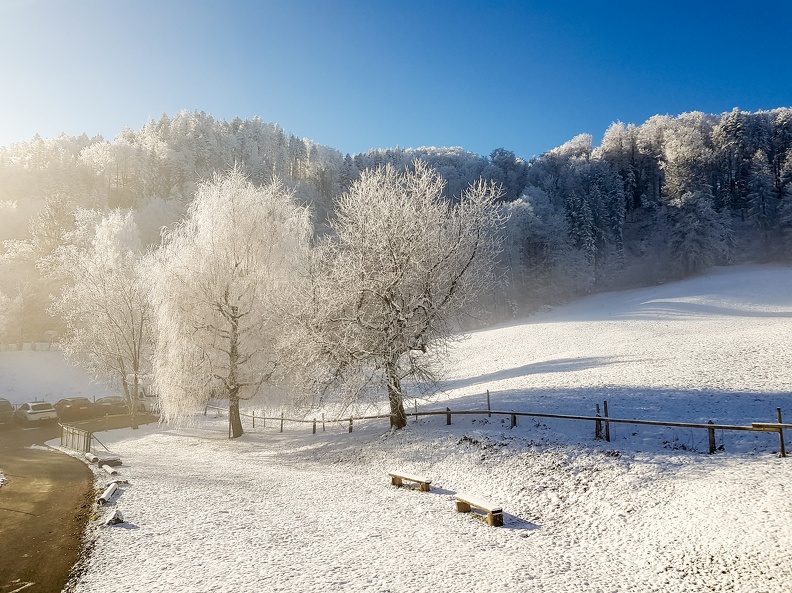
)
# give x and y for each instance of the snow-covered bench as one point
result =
(464, 502)
(397, 479)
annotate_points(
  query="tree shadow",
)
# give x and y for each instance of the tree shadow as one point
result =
(660, 309)
(560, 365)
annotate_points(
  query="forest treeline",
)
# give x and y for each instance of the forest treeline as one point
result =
(656, 201)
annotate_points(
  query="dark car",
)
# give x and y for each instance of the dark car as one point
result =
(74, 408)
(6, 411)
(112, 404)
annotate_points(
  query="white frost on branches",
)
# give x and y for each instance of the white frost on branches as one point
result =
(104, 303)
(403, 264)
(224, 285)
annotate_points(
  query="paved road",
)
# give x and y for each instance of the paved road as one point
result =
(44, 506)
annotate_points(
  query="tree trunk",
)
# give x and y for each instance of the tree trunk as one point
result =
(234, 420)
(398, 419)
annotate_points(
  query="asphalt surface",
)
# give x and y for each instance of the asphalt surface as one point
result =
(45, 505)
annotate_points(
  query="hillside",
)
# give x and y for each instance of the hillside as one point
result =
(647, 512)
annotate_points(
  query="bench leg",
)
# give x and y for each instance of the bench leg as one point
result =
(396, 481)
(462, 507)
(495, 519)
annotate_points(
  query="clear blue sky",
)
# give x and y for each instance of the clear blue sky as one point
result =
(365, 74)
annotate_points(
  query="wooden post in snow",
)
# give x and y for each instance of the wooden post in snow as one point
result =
(780, 434)
(489, 408)
(281, 422)
(607, 424)
(314, 426)
(598, 426)
(711, 438)
(448, 416)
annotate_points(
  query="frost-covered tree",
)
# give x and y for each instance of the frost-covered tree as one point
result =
(762, 195)
(104, 302)
(223, 284)
(403, 264)
(699, 235)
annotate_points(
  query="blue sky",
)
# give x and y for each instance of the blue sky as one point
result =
(365, 74)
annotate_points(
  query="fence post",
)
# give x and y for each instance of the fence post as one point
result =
(711, 435)
(350, 425)
(323, 422)
(780, 433)
(314, 426)
(206, 407)
(448, 416)
(598, 426)
(513, 420)
(415, 403)
(607, 424)
(281, 422)
(489, 409)
(254, 418)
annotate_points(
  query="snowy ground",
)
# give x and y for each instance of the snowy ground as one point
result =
(647, 512)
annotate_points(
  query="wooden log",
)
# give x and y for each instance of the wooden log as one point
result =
(108, 493)
(114, 518)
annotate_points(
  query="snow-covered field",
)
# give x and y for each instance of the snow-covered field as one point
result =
(649, 511)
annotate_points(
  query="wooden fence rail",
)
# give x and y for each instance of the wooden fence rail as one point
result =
(599, 421)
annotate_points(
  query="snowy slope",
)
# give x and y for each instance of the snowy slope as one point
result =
(646, 512)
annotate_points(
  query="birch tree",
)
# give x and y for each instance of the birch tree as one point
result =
(223, 284)
(104, 303)
(403, 264)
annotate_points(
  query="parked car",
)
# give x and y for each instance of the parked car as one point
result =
(6, 411)
(74, 408)
(111, 404)
(35, 412)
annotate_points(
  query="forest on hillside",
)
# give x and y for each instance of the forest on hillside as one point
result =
(660, 200)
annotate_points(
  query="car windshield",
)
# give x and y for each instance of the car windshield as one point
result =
(40, 407)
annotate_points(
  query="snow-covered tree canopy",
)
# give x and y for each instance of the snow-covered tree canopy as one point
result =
(224, 285)
(104, 302)
(403, 264)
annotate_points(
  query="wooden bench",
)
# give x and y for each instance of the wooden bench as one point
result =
(464, 502)
(397, 479)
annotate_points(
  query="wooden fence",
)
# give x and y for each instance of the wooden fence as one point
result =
(601, 422)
